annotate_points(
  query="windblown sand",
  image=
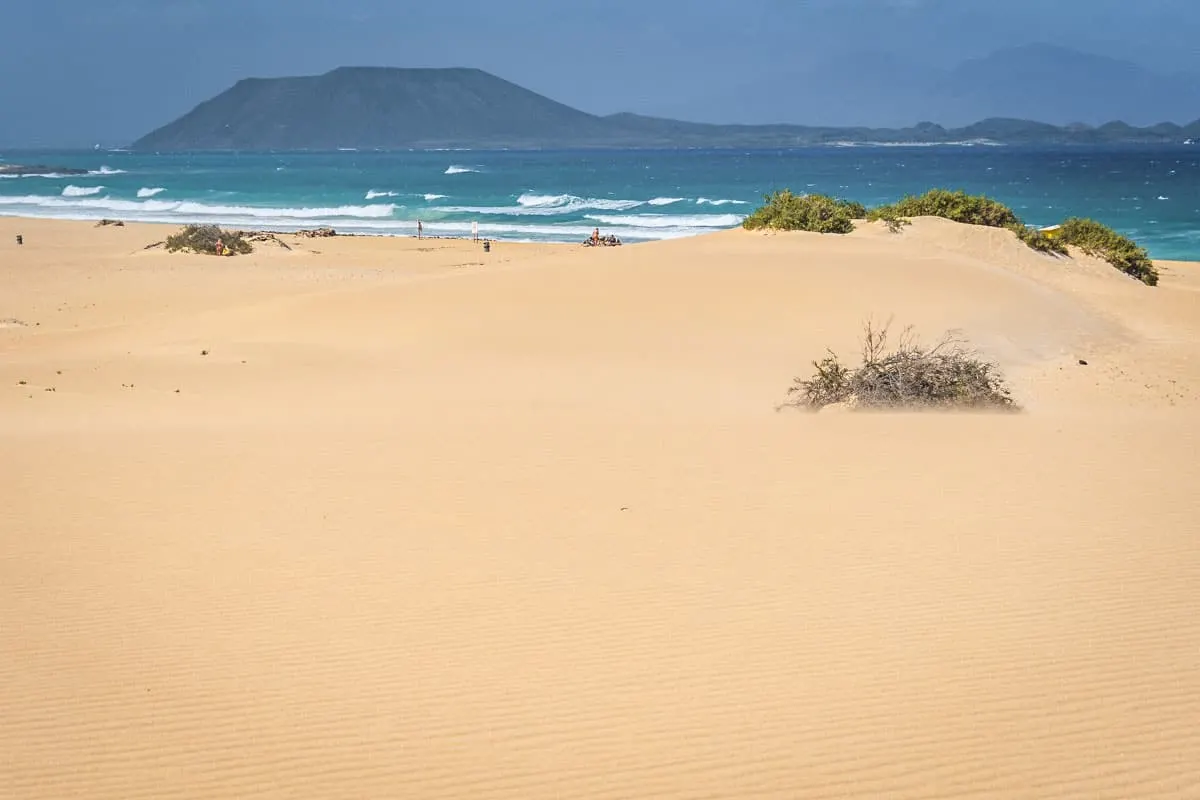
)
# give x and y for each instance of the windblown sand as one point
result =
(395, 519)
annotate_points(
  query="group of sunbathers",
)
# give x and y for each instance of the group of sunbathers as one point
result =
(597, 240)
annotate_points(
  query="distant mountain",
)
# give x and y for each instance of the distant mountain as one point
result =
(1043, 82)
(384, 108)
(370, 107)
(1061, 86)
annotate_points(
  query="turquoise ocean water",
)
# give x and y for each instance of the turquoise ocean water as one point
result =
(1149, 193)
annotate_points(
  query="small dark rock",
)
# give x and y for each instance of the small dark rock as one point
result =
(1082, 363)
(203, 352)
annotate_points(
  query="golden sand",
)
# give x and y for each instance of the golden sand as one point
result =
(380, 518)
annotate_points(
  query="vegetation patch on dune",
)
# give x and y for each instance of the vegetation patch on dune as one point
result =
(1102, 241)
(970, 209)
(817, 213)
(204, 239)
(910, 375)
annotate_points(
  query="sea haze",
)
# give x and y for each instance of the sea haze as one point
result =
(1149, 193)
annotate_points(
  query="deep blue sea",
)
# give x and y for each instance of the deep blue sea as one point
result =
(1149, 193)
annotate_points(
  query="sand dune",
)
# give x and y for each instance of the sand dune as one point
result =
(388, 518)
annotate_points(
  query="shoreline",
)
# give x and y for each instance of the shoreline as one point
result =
(90, 223)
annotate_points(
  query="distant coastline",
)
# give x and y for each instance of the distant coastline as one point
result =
(375, 108)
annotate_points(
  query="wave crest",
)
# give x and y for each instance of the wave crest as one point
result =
(704, 201)
(106, 171)
(184, 209)
(81, 191)
(150, 191)
(371, 195)
(455, 169)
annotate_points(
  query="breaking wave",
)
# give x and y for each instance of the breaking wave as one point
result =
(664, 201)
(429, 198)
(704, 201)
(106, 171)
(81, 191)
(454, 169)
(150, 191)
(372, 195)
(171, 211)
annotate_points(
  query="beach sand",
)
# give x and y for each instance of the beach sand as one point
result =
(385, 518)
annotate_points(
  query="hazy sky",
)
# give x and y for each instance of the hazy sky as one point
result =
(78, 71)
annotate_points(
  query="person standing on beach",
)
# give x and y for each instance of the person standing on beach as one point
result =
(474, 231)
(419, 229)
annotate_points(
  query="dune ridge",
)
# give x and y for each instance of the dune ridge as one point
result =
(422, 521)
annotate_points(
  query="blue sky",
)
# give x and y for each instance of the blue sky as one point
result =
(108, 70)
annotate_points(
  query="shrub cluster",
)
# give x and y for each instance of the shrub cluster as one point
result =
(1039, 240)
(908, 376)
(818, 213)
(1099, 240)
(888, 216)
(957, 206)
(203, 239)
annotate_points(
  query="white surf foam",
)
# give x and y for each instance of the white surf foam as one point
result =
(664, 201)
(455, 169)
(565, 203)
(704, 201)
(52, 175)
(374, 219)
(150, 191)
(106, 171)
(668, 220)
(547, 205)
(187, 209)
(81, 191)
(429, 198)
(371, 195)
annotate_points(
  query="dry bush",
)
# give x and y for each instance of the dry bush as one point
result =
(203, 239)
(909, 375)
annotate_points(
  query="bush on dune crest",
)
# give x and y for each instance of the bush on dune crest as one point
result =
(956, 206)
(784, 211)
(948, 375)
(1038, 240)
(1099, 240)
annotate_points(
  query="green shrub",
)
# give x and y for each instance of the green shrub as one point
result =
(909, 376)
(1039, 240)
(1102, 241)
(887, 215)
(784, 211)
(855, 209)
(203, 239)
(957, 206)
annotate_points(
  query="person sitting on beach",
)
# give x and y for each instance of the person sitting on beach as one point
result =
(220, 247)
